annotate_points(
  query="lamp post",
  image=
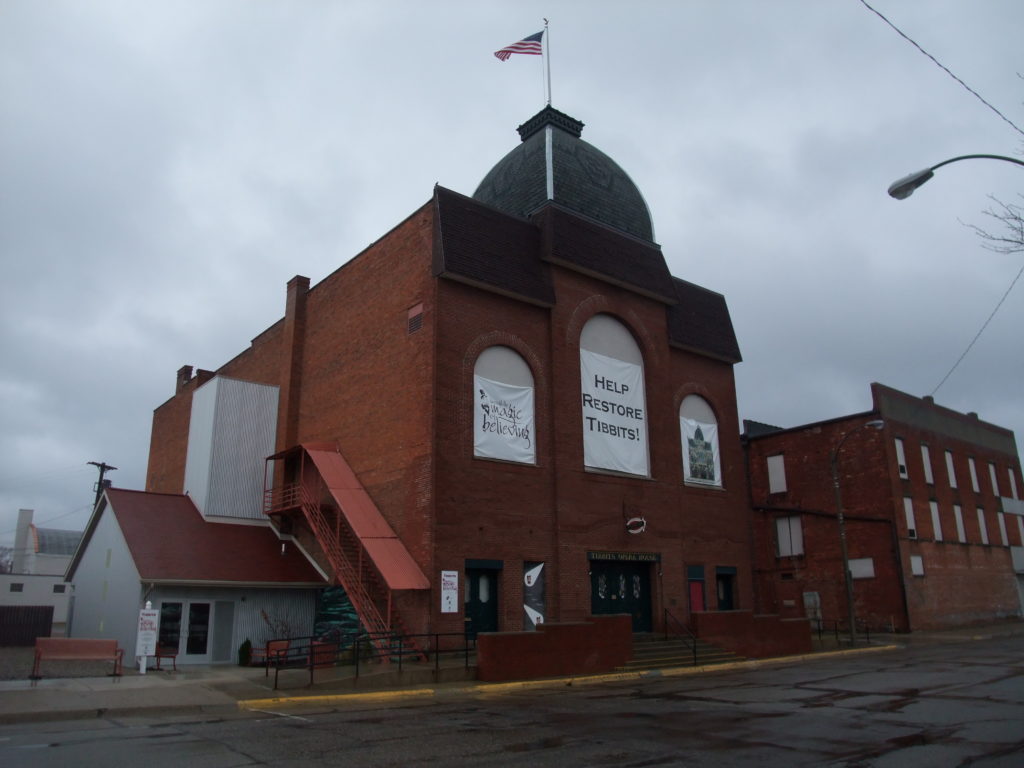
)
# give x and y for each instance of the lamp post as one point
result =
(874, 424)
(903, 188)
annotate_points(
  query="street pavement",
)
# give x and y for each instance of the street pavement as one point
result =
(227, 689)
(933, 700)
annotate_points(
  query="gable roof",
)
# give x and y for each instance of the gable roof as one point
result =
(169, 541)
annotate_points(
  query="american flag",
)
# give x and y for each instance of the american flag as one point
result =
(530, 45)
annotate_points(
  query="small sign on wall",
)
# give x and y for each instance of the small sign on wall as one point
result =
(449, 591)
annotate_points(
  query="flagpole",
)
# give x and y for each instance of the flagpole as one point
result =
(547, 57)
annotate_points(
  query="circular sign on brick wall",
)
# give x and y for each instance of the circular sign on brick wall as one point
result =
(636, 525)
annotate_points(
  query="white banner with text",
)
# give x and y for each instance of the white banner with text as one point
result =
(614, 418)
(503, 421)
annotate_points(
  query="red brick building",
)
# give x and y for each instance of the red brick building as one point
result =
(932, 514)
(504, 412)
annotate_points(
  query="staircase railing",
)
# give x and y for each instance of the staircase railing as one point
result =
(678, 629)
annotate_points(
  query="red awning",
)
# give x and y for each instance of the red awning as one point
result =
(386, 550)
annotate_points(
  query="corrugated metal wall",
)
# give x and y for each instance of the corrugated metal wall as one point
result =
(232, 431)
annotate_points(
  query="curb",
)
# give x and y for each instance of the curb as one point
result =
(267, 705)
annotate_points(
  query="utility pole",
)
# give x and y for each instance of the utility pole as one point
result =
(103, 468)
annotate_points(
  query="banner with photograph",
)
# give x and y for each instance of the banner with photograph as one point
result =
(701, 463)
(614, 417)
(503, 421)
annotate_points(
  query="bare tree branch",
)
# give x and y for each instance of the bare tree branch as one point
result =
(1011, 237)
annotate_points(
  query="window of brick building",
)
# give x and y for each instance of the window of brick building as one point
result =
(901, 459)
(992, 477)
(776, 474)
(916, 565)
(974, 475)
(1002, 529)
(936, 522)
(950, 471)
(926, 461)
(789, 536)
(613, 398)
(981, 525)
(908, 511)
(503, 410)
(862, 567)
(961, 532)
(698, 429)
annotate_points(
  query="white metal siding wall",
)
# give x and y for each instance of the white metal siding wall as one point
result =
(200, 444)
(232, 430)
(244, 432)
(107, 591)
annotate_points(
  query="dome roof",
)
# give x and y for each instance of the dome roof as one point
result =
(554, 163)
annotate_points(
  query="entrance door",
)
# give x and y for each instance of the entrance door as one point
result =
(622, 587)
(185, 625)
(725, 581)
(481, 600)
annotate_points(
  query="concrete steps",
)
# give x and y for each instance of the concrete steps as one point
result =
(655, 652)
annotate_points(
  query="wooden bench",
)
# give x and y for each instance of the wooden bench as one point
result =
(77, 649)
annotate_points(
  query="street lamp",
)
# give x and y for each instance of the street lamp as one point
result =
(874, 424)
(903, 188)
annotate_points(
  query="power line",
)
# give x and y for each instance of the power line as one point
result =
(942, 67)
(978, 334)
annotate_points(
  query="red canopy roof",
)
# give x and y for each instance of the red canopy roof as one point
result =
(170, 541)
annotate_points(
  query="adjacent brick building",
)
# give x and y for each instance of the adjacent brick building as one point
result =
(932, 509)
(504, 412)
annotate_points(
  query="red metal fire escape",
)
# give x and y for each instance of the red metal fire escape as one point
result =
(367, 559)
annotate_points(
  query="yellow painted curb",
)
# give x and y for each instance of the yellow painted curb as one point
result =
(547, 682)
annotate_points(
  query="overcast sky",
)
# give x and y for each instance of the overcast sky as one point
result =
(166, 168)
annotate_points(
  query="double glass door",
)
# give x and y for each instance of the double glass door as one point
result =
(185, 625)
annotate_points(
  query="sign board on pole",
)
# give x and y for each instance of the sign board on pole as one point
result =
(145, 641)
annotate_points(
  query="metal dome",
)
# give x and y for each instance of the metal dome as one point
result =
(554, 164)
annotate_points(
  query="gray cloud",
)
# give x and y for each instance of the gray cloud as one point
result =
(167, 167)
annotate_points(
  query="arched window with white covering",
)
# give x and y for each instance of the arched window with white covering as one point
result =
(698, 428)
(503, 410)
(614, 406)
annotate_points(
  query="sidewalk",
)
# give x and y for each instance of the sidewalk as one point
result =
(225, 690)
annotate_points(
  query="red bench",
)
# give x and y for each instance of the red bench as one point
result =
(77, 649)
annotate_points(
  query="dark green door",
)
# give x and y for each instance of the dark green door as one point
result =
(481, 600)
(622, 587)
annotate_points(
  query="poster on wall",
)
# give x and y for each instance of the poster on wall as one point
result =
(533, 595)
(503, 421)
(614, 419)
(701, 462)
(449, 591)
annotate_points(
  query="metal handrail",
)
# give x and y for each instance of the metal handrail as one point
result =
(312, 653)
(688, 637)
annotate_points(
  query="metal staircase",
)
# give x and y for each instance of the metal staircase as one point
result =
(350, 564)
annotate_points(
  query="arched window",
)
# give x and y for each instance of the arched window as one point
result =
(614, 406)
(699, 430)
(503, 425)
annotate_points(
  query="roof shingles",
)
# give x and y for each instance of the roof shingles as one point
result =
(170, 541)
